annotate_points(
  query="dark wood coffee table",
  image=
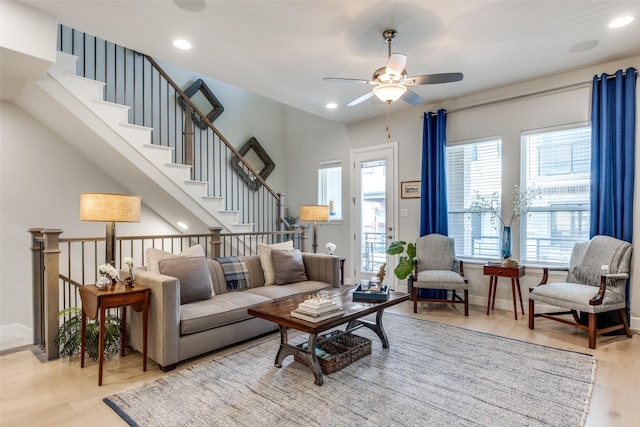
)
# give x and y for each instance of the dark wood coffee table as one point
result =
(280, 312)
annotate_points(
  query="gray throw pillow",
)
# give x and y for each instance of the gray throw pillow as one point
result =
(288, 266)
(193, 274)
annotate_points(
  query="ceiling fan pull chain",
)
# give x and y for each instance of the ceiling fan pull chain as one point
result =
(388, 119)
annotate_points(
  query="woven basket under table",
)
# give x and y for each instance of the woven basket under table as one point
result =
(341, 350)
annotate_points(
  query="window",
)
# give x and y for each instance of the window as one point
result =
(473, 168)
(558, 162)
(330, 188)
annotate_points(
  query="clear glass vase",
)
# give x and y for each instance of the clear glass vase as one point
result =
(102, 282)
(506, 242)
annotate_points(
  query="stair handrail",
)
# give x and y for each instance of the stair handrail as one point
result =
(204, 119)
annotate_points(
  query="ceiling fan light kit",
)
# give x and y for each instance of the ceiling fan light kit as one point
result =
(389, 92)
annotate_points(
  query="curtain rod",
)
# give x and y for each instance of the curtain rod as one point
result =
(526, 95)
(613, 76)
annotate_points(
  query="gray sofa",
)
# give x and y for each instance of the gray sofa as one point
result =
(177, 332)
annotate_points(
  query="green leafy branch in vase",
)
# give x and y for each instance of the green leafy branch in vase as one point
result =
(522, 202)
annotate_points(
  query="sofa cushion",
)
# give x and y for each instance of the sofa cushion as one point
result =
(264, 252)
(288, 266)
(217, 311)
(155, 255)
(193, 275)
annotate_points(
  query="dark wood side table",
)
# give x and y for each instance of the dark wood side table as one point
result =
(115, 296)
(514, 273)
(342, 260)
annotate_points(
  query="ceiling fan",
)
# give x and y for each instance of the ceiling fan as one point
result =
(390, 82)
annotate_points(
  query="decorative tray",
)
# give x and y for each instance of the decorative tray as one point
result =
(364, 295)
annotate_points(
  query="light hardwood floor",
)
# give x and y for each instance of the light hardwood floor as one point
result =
(33, 393)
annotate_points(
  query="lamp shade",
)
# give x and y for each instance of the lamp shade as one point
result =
(109, 207)
(314, 213)
(389, 92)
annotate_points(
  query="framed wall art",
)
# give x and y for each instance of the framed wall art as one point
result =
(204, 100)
(259, 161)
(410, 189)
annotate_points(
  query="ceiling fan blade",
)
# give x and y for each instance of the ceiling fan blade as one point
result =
(395, 64)
(411, 97)
(432, 79)
(341, 80)
(360, 99)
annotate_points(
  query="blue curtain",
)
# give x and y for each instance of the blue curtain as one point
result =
(613, 113)
(433, 207)
(433, 215)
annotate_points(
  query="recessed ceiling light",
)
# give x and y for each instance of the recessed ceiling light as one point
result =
(182, 44)
(332, 105)
(191, 5)
(583, 46)
(620, 22)
(183, 225)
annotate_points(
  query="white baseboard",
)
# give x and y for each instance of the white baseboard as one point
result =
(15, 335)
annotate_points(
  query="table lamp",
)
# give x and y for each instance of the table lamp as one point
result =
(110, 208)
(314, 213)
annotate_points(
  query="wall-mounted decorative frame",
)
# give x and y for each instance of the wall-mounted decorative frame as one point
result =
(257, 158)
(410, 189)
(205, 100)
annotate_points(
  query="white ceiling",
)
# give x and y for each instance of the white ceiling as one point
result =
(283, 49)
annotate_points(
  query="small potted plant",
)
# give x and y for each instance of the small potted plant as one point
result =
(406, 263)
(68, 337)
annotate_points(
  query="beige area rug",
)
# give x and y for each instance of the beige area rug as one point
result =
(432, 375)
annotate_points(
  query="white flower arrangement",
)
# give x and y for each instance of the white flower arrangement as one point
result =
(129, 262)
(109, 271)
(491, 204)
(330, 247)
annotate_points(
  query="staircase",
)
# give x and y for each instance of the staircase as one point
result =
(75, 109)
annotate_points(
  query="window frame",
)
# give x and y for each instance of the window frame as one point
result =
(471, 218)
(323, 198)
(577, 212)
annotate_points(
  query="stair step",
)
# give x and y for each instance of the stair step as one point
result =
(157, 154)
(138, 136)
(195, 189)
(65, 62)
(112, 114)
(178, 172)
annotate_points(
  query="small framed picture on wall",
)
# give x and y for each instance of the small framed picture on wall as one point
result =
(410, 189)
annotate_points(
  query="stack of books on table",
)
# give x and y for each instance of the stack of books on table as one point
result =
(317, 309)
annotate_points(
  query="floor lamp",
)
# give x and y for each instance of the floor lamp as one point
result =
(314, 213)
(110, 208)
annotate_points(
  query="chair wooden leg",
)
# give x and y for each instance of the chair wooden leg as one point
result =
(415, 299)
(466, 302)
(623, 317)
(592, 330)
(531, 313)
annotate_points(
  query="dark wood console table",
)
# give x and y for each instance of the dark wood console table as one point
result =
(115, 296)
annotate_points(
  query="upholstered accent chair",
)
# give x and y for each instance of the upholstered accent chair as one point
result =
(595, 283)
(436, 267)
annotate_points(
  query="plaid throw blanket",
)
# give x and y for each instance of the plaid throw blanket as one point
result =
(235, 271)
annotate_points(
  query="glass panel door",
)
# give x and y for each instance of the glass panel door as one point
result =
(374, 211)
